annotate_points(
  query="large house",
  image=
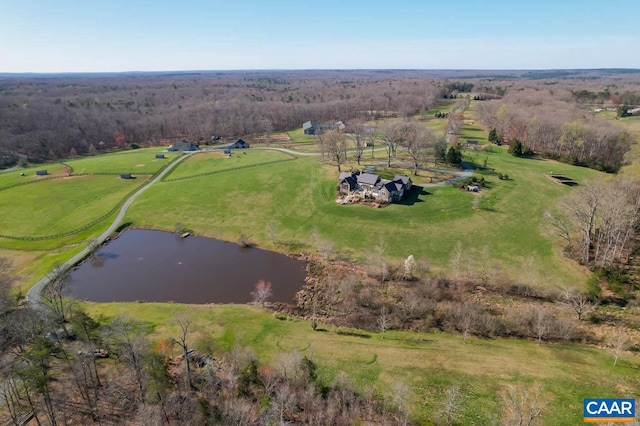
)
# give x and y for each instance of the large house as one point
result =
(314, 128)
(184, 146)
(370, 185)
(239, 144)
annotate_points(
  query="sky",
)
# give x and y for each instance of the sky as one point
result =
(158, 35)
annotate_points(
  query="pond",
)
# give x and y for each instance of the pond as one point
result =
(156, 266)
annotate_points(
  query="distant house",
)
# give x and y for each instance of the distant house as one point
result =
(160, 156)
(184, 146)
(472, 144)
(239, 144)
(227, 152)
(370, 185)
(313, 128)
(634, 111)
(126, 176)
(41, 173)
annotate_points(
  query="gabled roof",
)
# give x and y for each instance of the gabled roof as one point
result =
(184, 146)
(402, 178)
(368, 178)
(307, 125)
(392, 186)
(344, 175)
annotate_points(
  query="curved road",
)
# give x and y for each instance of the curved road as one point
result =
(33, 295)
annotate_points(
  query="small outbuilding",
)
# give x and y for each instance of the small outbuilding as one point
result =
(126, 176)
(41, 173)
(227, 152)
(160, 156)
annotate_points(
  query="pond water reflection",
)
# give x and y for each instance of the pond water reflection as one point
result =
(156, 266)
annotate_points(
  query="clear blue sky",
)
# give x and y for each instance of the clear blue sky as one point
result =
(148, 35)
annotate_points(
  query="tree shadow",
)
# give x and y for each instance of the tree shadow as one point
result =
(413, 196)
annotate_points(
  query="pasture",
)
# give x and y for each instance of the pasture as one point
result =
(299, 196)
(136, 161)
(427, 363)
(60, 205)
(15, 177)
(217, 161)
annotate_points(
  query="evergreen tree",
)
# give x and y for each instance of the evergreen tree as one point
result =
(493, 135)
(515, 148)
(454, 156)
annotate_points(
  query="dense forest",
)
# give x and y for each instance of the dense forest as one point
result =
(45, 117)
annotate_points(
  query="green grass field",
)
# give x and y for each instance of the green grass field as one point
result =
(300, 197)
(426, 362)
(60, 205)
(138, 161)
(211, 162)
(298, 135)
(12, 178)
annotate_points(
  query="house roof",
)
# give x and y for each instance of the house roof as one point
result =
(184, 146)
(307, 125)
(392, 186)
(402, 178)
(344, 175)
(368, 178)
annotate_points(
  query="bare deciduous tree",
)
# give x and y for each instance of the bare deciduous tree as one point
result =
(390, 135)
(357, 133)
(409, 268)
(619, 343)
(335, 144)
(450, 404)
(456, 260)
(262, 292)
(272, 231)
(575, 300)
(523, 406)
(184, 323)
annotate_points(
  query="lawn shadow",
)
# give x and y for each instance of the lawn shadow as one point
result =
(413, 196)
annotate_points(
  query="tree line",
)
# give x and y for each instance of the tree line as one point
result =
(550, 126)
(48, 118)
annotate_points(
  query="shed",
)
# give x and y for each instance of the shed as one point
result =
(227, 152)
(160, 156)
(41, 173)
(126, 176)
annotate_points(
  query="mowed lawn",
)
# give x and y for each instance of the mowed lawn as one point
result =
(60, 205)
(427, 363)
(12, 178)
(211, 162)
(299, 196)
(141, 161)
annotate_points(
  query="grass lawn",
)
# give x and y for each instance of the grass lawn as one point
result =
(428, 363)
(298, 135)
(211, 162)
(300, 197)
(12, 178)
(132, 161)
(60, 205)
